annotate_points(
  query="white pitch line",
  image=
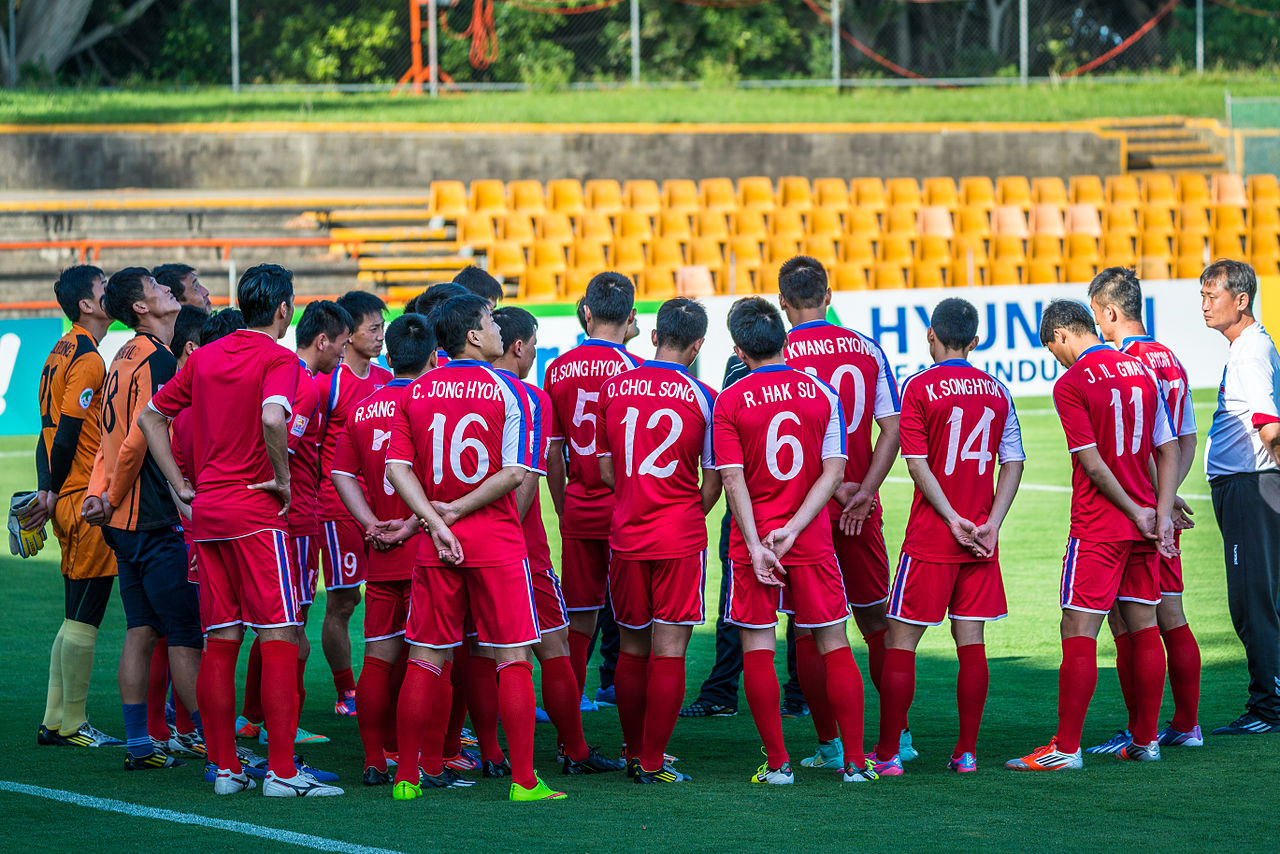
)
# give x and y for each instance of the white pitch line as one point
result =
(257, 831)
(1047, 487)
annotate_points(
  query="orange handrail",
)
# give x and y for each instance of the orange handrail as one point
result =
(221, 301)
(89, 248)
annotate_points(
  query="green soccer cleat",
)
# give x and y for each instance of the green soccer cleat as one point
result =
(781, 776)
(308, 737)
(406, 791)
(540, 792)
(829, 756)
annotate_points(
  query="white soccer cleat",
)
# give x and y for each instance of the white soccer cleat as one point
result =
(1140, 752)
(300, 785)
(229, 783)
(1047, 758)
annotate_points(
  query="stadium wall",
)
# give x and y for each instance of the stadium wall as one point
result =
(257, 155)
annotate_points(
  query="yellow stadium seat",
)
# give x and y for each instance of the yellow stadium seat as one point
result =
(1264, 241)
(1194, 244)
(861, 220)
(974, 220)
(1080, 270)
(1044, 271)
(706, 251)
(526, 197)
(903, 192)
(794, 193)
(1228, 217)
(1013, 190)
(711, 224)
(744, 253)
(628, 256)
(674, 224)
(1155, 267)
(891, 275)
(1267, 266)
(593, 225)
(1123, 189)
(718, 194)
(517, 228)
(1046, 247)
(969, 264)
(1264, 188)
(476, 231)
(666, 252)
(1157, 243)
(1193, 216)
(978, 191)
(635, 224)
(1158, 189)
(1008, 246)
(1189, 266)
(901, 219)
(1047, 219)
(1193, 189)
(941, 192)
(539, 284)
(658, 282)
(1009, 221)
(550, 256)
(488, 197)
(825, 222)
(1228, 189)
(680, 195)
(787, 222)
(750, 222)
(831, 193)
(1081, 246)
(576, 280)
(506, 260)
(755, 192)
(1082, 218)
(858, 247)
(1048, 191)
(851, 276)
(1158, 217)
(821, 248)
(1087, 190)
(1122, 218)
(929, 274)
(448, 199)
(1118, 249)
(870, 194)
(695, 280)
(604, 196)
(935, 220)
(1264, 214)
(555, 228)
(782, 247)
(897, 247)
(590, 254)
(933, 248)
(564, 196)
(642, 196)
(1008, 271)
(1229, 243)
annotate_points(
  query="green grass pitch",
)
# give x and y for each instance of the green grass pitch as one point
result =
(1221, 795)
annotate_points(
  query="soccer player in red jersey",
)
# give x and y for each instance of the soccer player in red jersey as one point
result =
(560, 694)
(1116, 298)
(654, 435)
(240, 501)
(1115, 422)
(856, 367)
(583, 502)
(459, 447)
(342, 542)
(957, 423)
(391, 530)
(780, 446)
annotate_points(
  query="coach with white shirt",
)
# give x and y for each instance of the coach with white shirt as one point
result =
(1242, 462)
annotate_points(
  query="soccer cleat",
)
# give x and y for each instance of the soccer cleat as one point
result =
(406, 791)
(49, 737)
(868, 773)
(887, 768)
(905, 750)
(587, 705)
(829, 756)
(489, 768)
(254, 765)
(540, 792)
(300, 785)
(1047, 758)
(793, 708)
(1140, 752)
(963, 764)
(374, 777)
(468, 738)
(157, 744)
(1247, 724)
(154, 759)
(782, 776)
(665, 774)
(320, 776)
(1112, 745)
(606, 697)
(446, 779)
(227, 783)
(707, 709)
(246, 728)
(632, 766)
(188, 744)
(594, 763)
(465, 760)
(1170, 737)
(307, 737)
(540, 715)
(87, 736)
(345, 707)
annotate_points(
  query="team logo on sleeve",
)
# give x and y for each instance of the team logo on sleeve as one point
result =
(86, 398)
(299, 425)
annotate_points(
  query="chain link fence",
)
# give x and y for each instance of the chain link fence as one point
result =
(554, 44)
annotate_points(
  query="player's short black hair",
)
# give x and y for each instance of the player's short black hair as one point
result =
(75, 284)
(479, 282)
(802, 281)
(1236, 276)
(432, 297)
(610, 296)
(260, 292)
(454, 318)
(188, 328)
(222, 324)
(361, 304)
(123, 289)
(756, 328)
(581, 310)
(515, 324)
(1119, 287)
(1065, 314)
(171, 276)
(954, 322)
(410, 342)
(681, 321)
(323, 317)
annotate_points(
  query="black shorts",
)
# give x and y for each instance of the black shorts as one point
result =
(87, 598)
(153, 583)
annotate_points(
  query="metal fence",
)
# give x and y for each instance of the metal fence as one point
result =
(1257, 121)
(553, 44)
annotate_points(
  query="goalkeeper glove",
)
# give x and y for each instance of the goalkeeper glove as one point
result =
(21, 542)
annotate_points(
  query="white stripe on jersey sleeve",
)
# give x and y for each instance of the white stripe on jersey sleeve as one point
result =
(705, 405)
(1162, 429)
(887, 402)
(515, 435)
(1188, 425)
(1011, 440)
(835, 438)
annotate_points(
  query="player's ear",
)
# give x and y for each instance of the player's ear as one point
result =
(697, 346)
(930, 336)
(826, 300)
(432, 361)
(653, 336)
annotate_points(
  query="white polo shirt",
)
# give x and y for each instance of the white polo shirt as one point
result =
(1248, 398)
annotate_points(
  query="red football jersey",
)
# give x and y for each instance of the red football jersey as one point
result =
(226, 384)
(182, 440)
(340, 393)
(655, 421)
(304, 475)
(778, 424)
(539, 415)
(1171, 377)
(458, 426)
(856, 367)
(962, 420)
(1108, 400)
(573, 383)
(361, 455)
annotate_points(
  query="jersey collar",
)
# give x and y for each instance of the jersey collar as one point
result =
(771, 369)
(665, 365)
(463, 363)
(1095, 348)
(958, 363)
(1125, 342)
(398, 382)
(600, 342)
(811, 324)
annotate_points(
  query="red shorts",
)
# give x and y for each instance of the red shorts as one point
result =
(1097, 575)
(924, 593)
(813, 594)
(864, 563)
(1171, 571)
(498, 598)
(306, 564)
(549, 601)
(584, 565)
(342, 542)
(249, 581)
(643, 592)
(386, 608)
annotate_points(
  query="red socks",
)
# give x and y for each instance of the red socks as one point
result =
(875, 655)
(423, 687)
(252, 707)
(157, 689)
(662, 707)
(344, 681)
(1184, 676)
(844, 688)
(897, 690)
(216, 695)
(760, 682)
(431, 753)
(971, 695)
(561, 699)
(1077, 679)
(813, 682)
(397, 679)
(458, 706)
(280, 704)
(630, 681)
(302, 688)
(373, 699)
(516, 704)
(482, 701)
(1148, 683)
(579, 644)
(1124, 673)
